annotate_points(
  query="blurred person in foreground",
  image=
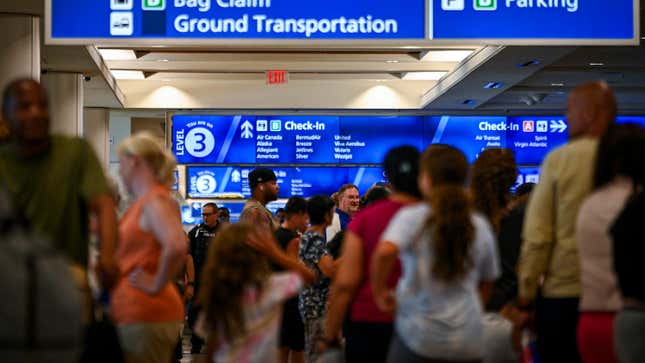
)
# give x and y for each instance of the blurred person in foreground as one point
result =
(368, 333)
(449, 259)
(151, 252)
(242, 298)
(619, 166)
(548, 268)
(628, 251)
(55, 182)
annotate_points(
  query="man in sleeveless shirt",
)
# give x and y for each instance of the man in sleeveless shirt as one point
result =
(264, 189)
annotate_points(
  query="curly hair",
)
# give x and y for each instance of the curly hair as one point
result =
(450, 222)
(493, 174)
(231, 268)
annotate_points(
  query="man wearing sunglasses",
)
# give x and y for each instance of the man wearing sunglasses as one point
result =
(200, 238)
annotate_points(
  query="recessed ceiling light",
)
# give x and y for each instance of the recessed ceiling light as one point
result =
(163, 60)
(424, 76)
(392, 61)
(128, 74)
(557, 84)
(117, 54)
(447, 55)
(493, 85)
(596, 64)
(529, 63)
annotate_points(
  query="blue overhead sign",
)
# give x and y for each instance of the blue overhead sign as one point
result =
(238, 19)
(532, 137)
(316, 139)
(232, 182)
(471, 134)
(198, 139)
(547, 20)
(419, 22)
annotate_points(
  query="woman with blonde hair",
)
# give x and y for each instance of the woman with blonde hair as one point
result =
(151, 251)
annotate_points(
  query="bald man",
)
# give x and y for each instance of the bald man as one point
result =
(54, 181)
(548, 266)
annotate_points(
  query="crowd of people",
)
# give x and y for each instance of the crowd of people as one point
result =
(447, 262)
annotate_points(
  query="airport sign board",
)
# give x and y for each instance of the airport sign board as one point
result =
(355, 23)
(353, 140)
(535, 22)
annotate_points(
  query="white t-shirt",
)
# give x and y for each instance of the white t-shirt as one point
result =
(436, 319)
(262, 314)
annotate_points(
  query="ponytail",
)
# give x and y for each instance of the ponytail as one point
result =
(450, 221)
(452, 232)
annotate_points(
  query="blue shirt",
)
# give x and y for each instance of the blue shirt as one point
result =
(344, 219)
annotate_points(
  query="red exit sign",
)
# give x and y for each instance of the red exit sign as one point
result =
(277, 77)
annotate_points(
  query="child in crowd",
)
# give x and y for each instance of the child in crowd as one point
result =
(450, 262)
(314, 252)
(242, 298)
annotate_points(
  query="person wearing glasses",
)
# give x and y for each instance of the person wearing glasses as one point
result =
(200, 237)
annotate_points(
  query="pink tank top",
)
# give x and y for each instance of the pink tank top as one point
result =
(138, 248)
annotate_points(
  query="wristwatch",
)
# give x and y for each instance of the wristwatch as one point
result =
(190, 283)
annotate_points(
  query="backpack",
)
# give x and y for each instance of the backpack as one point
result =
(40, 309)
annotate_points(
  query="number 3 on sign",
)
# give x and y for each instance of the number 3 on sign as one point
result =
(200, 142)
(206, 184)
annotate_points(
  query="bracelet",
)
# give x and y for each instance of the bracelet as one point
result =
(190, 283)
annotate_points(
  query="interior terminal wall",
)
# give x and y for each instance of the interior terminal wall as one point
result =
(19, 48)
(359, 95)
(96, 131)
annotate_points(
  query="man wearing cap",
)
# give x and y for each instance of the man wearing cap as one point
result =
(264, 189)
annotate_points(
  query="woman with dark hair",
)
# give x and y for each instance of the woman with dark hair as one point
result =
(374, 194)
(449, 260)
(618, 164)
(315, 253)
(368, 333)
(492, 176)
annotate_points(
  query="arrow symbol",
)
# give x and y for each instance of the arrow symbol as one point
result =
(558, 126)
(246, 130)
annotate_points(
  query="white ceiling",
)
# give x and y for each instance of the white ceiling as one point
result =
(210, 78)
(181, 78)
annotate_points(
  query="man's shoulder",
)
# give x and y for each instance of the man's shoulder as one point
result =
(69, 142)
(581, 145)
(193, 230)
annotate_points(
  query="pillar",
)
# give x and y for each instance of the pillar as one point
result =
(65, 91)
